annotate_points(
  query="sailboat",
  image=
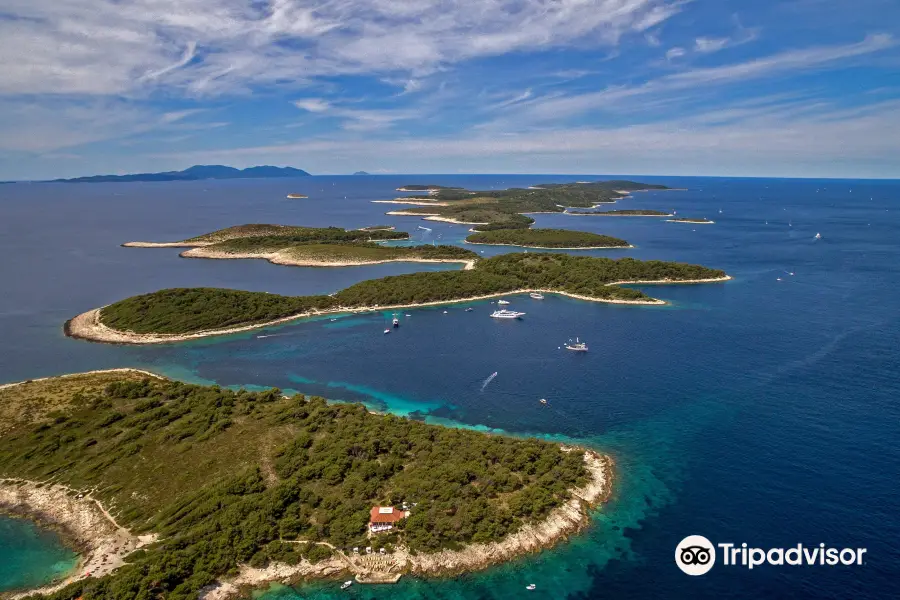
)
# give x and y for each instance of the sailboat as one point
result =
(576, 346)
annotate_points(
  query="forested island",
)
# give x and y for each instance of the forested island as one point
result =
(507, 209)
(186, 313)
(546, 238)
(291, 233)
(620, 213)
(217, 488)
(313, 246)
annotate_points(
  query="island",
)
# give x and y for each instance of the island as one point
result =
(180, 314)
(313, 246)
(425, 188)
(361, 173)
(182, 491)
(620, 213)
(378, 228)
(702, 221)
(296, 196)
(195, 173)
(561, 239)
(508, 209)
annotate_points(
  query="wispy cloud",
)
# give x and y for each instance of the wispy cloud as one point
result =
(230, 46)
(767, 139)
(315, 105)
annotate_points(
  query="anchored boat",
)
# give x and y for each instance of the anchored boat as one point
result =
(507, 314)
(536, 295)
(576, 346)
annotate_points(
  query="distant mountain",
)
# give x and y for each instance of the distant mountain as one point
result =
(197, 172)
(361, 173)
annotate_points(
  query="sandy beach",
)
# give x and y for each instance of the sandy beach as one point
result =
(83, 521)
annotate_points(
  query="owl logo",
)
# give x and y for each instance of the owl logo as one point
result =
(695, 555)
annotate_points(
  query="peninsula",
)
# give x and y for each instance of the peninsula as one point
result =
(223, 490)
(180, 314)
(703, 221)
(620, 213)
(508, 209)
(312, 246)
(561, 239)
(195, 173)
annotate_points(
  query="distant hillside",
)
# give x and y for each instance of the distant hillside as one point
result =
(197, 172)
(361, 173)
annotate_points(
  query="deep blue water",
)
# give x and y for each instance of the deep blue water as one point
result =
(763, 410)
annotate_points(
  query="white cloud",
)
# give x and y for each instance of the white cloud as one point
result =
(706, 44)
(668, 88)
(315, 105)
(209, 47)
(675, 52)
(759, 143)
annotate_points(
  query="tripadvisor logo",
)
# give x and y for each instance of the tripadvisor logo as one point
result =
(696, 555)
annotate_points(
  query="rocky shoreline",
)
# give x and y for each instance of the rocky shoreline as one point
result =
(83, 522)
(283, 257)
(87, 325)
(562, 522)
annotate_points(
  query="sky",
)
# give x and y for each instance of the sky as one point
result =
(781, 88)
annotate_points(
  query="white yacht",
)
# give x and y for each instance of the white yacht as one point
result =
(506, 314)
(536, 295)
(396, 321)
(576, 346)
(346, 584)
(502, 301)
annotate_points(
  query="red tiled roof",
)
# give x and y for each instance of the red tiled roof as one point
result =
(379, 514)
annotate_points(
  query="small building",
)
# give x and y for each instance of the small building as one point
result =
(382, 518)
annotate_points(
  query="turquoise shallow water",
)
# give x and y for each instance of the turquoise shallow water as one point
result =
(763, 410)
(31, 556)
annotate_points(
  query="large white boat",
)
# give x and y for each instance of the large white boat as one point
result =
(502, 301)
(576, 346)
(506, 314)
(536, 295)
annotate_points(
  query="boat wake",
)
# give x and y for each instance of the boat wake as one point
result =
(488, 380)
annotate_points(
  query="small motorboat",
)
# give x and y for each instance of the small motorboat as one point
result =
(818, 236)
(346, 584)
(386, 331)
(445, 312)
(502, 301)
(530, 587)
(396, 322)
(536, 295)
(577, 346)
(543, 401)
(469, 309)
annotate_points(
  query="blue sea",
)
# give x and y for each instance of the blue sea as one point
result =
(761, 411)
